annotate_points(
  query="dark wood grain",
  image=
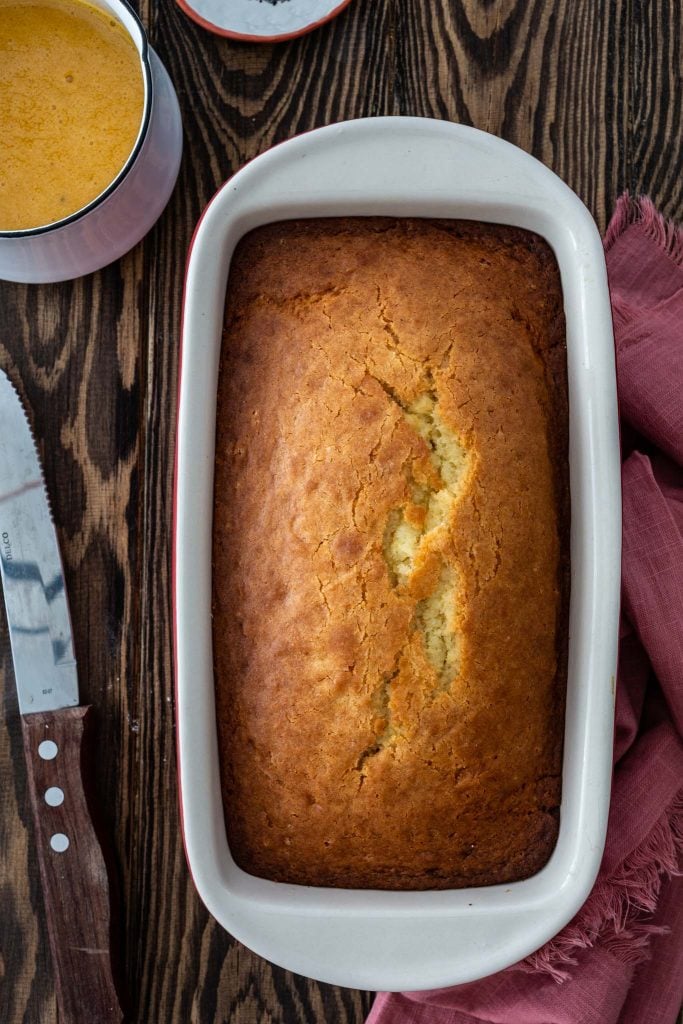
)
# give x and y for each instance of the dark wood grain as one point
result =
(655, 141)
(77, 891)
(591, 87)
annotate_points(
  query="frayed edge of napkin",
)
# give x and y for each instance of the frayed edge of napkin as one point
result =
(624, 314)
(642, 211)
(615, 914)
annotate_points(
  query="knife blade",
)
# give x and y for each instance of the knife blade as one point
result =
(56, 731)
(31, 569)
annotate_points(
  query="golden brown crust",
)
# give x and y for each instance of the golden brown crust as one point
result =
(390, 553)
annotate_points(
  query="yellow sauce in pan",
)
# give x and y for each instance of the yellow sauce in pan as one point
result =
(71, 106)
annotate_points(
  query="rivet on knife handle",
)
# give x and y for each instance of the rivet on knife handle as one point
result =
(72, 867)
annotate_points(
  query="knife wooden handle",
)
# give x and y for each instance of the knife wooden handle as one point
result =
(73, 871)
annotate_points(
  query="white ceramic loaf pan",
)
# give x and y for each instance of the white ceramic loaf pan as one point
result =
(404, 940)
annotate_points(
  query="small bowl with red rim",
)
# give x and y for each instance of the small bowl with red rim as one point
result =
(262, 21)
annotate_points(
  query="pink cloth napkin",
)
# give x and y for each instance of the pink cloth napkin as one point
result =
(620, 961)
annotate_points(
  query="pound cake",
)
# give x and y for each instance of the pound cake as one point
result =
(391, 553)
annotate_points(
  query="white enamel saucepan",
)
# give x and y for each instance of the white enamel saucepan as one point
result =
(116, 220)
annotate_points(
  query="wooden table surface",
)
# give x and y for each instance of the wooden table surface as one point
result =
(591, 87)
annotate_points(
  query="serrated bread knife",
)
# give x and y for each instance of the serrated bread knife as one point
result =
(73, 871)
